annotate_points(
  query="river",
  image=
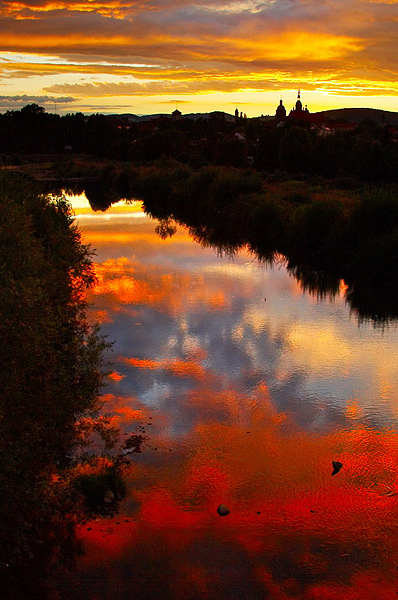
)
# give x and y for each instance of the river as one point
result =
(245, 389)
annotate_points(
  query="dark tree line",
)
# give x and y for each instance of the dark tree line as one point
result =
(367, 153)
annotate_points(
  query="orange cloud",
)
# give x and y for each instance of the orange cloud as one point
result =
(215, 47)
(32, 42)
(26, 10)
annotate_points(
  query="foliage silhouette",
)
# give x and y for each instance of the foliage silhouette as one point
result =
(51, 374)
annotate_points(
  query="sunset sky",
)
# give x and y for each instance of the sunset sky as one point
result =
(149, 56)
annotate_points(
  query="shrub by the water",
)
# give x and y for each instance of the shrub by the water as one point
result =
(315, 228)
(101, 490)
(51, 371)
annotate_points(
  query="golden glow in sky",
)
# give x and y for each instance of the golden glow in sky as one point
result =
(120, 56)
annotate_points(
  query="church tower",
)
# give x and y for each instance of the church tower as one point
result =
(280, 114)
(299, 106)
(298, 113)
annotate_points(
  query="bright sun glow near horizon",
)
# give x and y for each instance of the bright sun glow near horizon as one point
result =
(151, 57)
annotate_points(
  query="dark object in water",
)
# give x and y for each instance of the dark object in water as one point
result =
(336, 466)
(223, 510)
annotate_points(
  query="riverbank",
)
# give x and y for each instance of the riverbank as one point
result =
(52, 372)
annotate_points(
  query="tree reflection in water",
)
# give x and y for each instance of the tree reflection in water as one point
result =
(316, 241)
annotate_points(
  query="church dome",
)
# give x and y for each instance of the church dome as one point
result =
(280, 111)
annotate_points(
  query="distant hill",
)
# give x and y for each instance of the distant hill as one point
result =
(356, 115)
(192, 116)
(351, 115)
(128, 116)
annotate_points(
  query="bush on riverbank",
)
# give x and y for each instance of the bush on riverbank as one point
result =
(51, 372)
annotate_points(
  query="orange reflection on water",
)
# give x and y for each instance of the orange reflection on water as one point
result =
(180, 368)
(125, 288)
(353, 410)
(122, 280)
(343, 287)
(115, 376)
(81, 207)
(218, 300)
(100, 316)
(102, 238)
(125, 409)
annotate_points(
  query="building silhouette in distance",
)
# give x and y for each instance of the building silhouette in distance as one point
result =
(280, 115)
(298, 113)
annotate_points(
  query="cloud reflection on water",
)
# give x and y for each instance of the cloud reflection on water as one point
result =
(244, 402)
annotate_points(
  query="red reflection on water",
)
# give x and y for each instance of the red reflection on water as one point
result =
(300, 532)
(104, 539)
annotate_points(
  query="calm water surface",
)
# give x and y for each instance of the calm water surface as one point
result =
(246, 390)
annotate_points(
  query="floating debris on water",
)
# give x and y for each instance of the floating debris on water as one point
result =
(336, 466)
(223, 510)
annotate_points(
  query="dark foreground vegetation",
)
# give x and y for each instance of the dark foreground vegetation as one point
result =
(51, 374)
